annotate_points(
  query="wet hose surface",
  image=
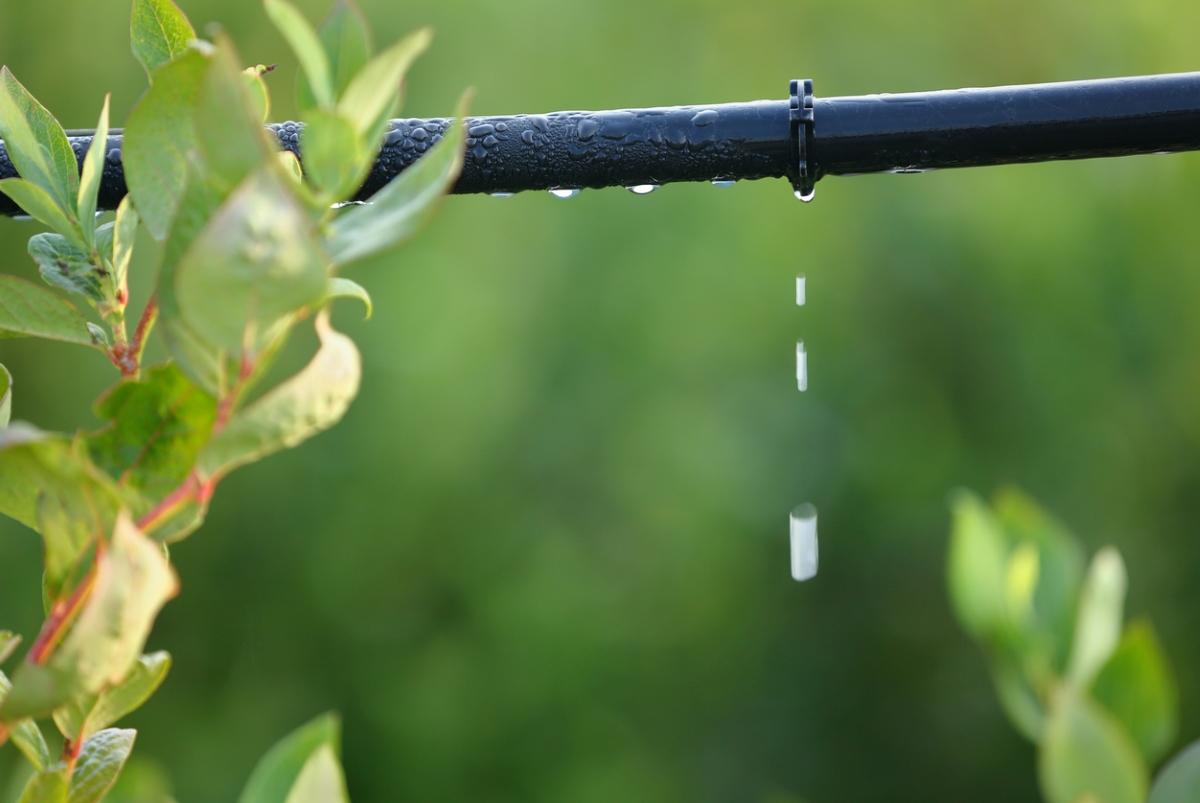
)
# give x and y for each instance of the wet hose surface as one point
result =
(899, 133)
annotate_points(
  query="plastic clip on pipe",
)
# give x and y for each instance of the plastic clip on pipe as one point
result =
(803, 138)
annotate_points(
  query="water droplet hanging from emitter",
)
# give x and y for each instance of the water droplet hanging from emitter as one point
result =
(803, 536)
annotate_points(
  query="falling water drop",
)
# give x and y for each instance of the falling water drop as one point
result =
(503, 194)
(724, 183)
(800, 290)
(806, 196)
(803, 532)
(801, 366)
(565, 193)
(642, 189)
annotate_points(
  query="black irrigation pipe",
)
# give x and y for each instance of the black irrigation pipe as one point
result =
(803, 138)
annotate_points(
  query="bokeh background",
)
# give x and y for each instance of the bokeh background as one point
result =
(544, 557)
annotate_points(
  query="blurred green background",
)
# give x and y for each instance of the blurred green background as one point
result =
(544, 557)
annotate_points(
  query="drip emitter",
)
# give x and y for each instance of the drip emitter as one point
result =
(803, 138)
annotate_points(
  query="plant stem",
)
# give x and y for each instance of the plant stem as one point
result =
(61, 616)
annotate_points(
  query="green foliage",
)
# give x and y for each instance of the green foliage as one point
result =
(1179, 782)
(245, 259)
(1097, 699)
(347, 42)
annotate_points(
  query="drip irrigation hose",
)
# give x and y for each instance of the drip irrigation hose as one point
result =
(802, 139)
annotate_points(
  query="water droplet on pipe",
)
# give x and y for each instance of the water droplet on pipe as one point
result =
(803, 531)
(801, 366)
(800, 290)
(724, 183)
(565, 193)
(642, 189)
(503, 194)
(806, 197)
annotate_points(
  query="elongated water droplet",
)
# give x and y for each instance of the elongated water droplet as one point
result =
(806, 197)
(801, 366)
(642, 189)
(800, 290)
(565, 193)
(22, 218)
(803, 531)
(503, 194)
(724, 183)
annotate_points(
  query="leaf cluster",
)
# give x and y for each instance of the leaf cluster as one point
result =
(1095, 694)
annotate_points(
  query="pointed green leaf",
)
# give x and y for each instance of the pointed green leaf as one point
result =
(344, 288)
(124, 235)
(976, 567)
(1017, 697)
(50, 165)
(158, 137)
(1085, 752)
(9, 642)
(99, 765)
(26, 735)
(399, 210)
(159, 33)
(347, 41)
(373, 91)
(39, 205)
(335, 157)
(1101, 613)
(278, 770)
(5, 417)
(64, 266)
(321, 780)
(78, 719)
(1179, 781)
(291, 413)
(46, 787)
(1137, 688)
(27, 310)
(256, 90)
(230, 135)
(89, 177)
(306, 45)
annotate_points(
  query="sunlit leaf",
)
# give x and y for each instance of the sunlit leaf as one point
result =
(78, 719)
(158, 136)
(99, 765)
(27, 310)
(399, 210)
(50, 163)
(1137, 688)
(1086, 752)
(335, 158)
(5, 417)
(1101, 613)
(40, 205)
(373, 90)
(306, 45)
(90, 175)
(46, 787)
(124, 234)
(287, 415)
(64, 266)
(276, 774)
(321, 780)
(159, 33)
(344, 288)
(347, 42)
(976, 567)
(1179, 781)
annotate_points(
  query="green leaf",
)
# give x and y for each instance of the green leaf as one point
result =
(78, 719)
(1179, 781)
(335, 158)
(303, 40)
(321, 780)
(399, 210)
(253, 266)
(347, 42)
(39, 204)
(156, 427)
(372, 92)
(276, 773)
(133, 581)
(27, 310)
(158, 137)
(344, 288)
(40, 149)
(1085, 752)
(5, 417)
(99, 765)
(89, 177)
(46, 787)
(1137, 688)
(26, 735)
(256, 90)
(63, 265)
(230, 135)
(1017, 697)
(287, 415)
(976, 567)
(124, 235)
(1098, 623)
(9, 642)
(159, 33)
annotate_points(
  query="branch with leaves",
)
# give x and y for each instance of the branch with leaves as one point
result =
(254, 244)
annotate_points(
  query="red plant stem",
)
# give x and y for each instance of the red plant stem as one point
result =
(61, 616)
(145, 324)
(187, 492)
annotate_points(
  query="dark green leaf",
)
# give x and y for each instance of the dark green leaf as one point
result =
(399, 210)
(40, 205)
(1101, 613)
(321, 780)
(1084, 751)
(1179, 782)
(1137, 688)
(373, 91)
(53, 166)
(287, 415)
(159, 33)
(344, 288)
(64, 266)
(5, 408)
(335, 158)
(79, 718)
(90, 175)
(347, 42)
(99, 765)
(46, 787)
(27, 310)
(307, 46)
(278, 770)
(158, 137)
